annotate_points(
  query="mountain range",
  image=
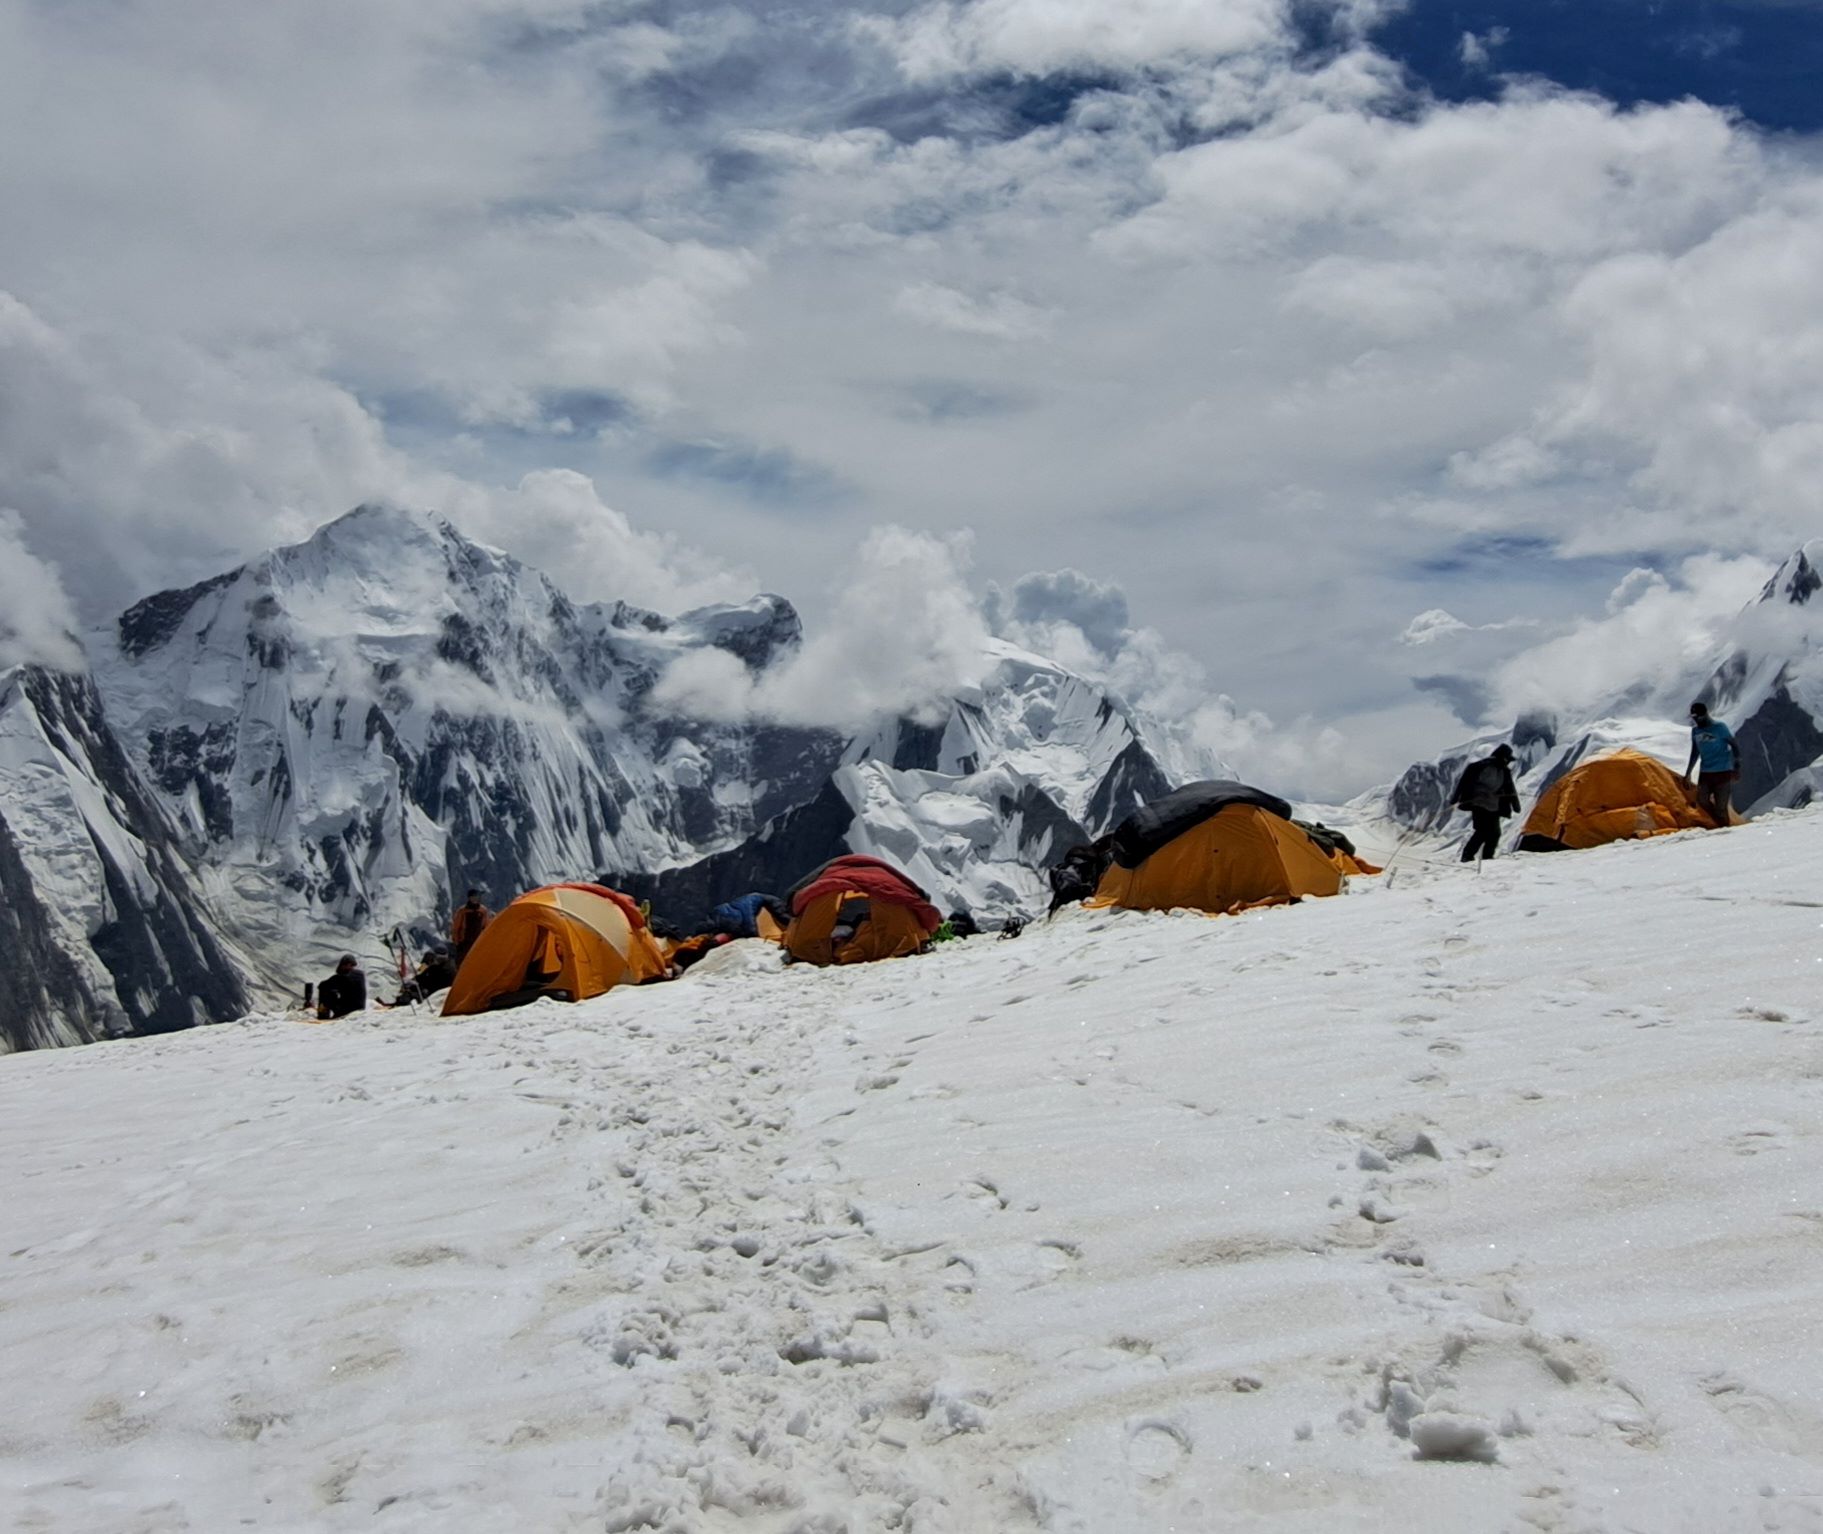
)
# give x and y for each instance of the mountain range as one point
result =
(338, 738)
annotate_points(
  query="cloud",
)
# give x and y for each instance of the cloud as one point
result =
(1320, 761)
(997, 316)
(1040, 601)
(1039, 37)
(1468, 697)
(1477, 49)
(1429, 627)
(1253, 330)
(904, 635)
(37, 623)
(142, 464)
(1653, 645)
(1703, 376)
(1437, 624)
(131, 493)
(556, 521)
(1085, 624)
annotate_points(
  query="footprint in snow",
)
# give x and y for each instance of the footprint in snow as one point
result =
(1056, 1257)
(1156, 1449)
(1765, 1015)
(1758, 1138)
(980, 1191)
(1761, 1418)
(959, 1277)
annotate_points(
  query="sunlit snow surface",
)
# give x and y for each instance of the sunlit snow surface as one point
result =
(1136, 1223)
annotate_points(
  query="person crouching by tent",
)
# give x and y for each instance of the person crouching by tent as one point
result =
(469, 922)
(343, 992)
(1488, 793)
(436, 972)
(1713, 746)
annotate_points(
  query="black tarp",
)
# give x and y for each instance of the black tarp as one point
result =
(1164, 820)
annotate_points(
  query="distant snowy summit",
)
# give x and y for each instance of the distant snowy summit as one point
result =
(340, 737)
(1765, 679)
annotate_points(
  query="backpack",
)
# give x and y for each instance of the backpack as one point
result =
(1078, 873)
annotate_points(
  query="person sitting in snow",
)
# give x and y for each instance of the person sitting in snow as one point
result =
(1487, 792)
(469, 922)
(1713, 745)
(343, 992)
(436, 972)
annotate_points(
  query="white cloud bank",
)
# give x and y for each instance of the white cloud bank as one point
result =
(1130, 286)
(1662, 628)
(904, 634)
(37, 623)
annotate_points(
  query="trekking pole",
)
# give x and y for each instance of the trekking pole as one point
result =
(395, 945)
(1400, 846)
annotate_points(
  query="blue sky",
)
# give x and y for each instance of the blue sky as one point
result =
(1288, 325)
(1764, 60)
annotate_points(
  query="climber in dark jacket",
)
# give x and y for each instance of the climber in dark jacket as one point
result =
(343, 992)
(1487, 792)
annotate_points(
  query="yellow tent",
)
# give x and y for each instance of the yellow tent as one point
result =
(1240, 857)
(1619, 797)
(567, 941)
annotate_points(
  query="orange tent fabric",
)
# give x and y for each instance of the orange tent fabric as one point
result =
(890, 931)
(1239, 858)
(575, 939)
(1619, 797)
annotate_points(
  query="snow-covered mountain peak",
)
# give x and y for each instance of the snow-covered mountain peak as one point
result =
(1797, 578)
(760, 630)
(382, 529)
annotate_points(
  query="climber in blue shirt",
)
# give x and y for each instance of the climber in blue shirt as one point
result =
(1713, 746)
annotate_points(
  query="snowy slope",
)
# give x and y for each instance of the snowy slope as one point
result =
(103, 920)
(1765, 680)
(1140, 1222)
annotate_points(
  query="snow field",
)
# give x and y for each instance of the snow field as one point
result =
(1469, 1201)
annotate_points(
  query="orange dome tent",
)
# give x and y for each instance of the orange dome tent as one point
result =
(565, 941)
(1219, 847)
(1619, 797)
(854, 909)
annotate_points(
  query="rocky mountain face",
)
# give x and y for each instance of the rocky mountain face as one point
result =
(1765, 680)
(355, 727)
(974, 807)
(339, 738)
(103, 918)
